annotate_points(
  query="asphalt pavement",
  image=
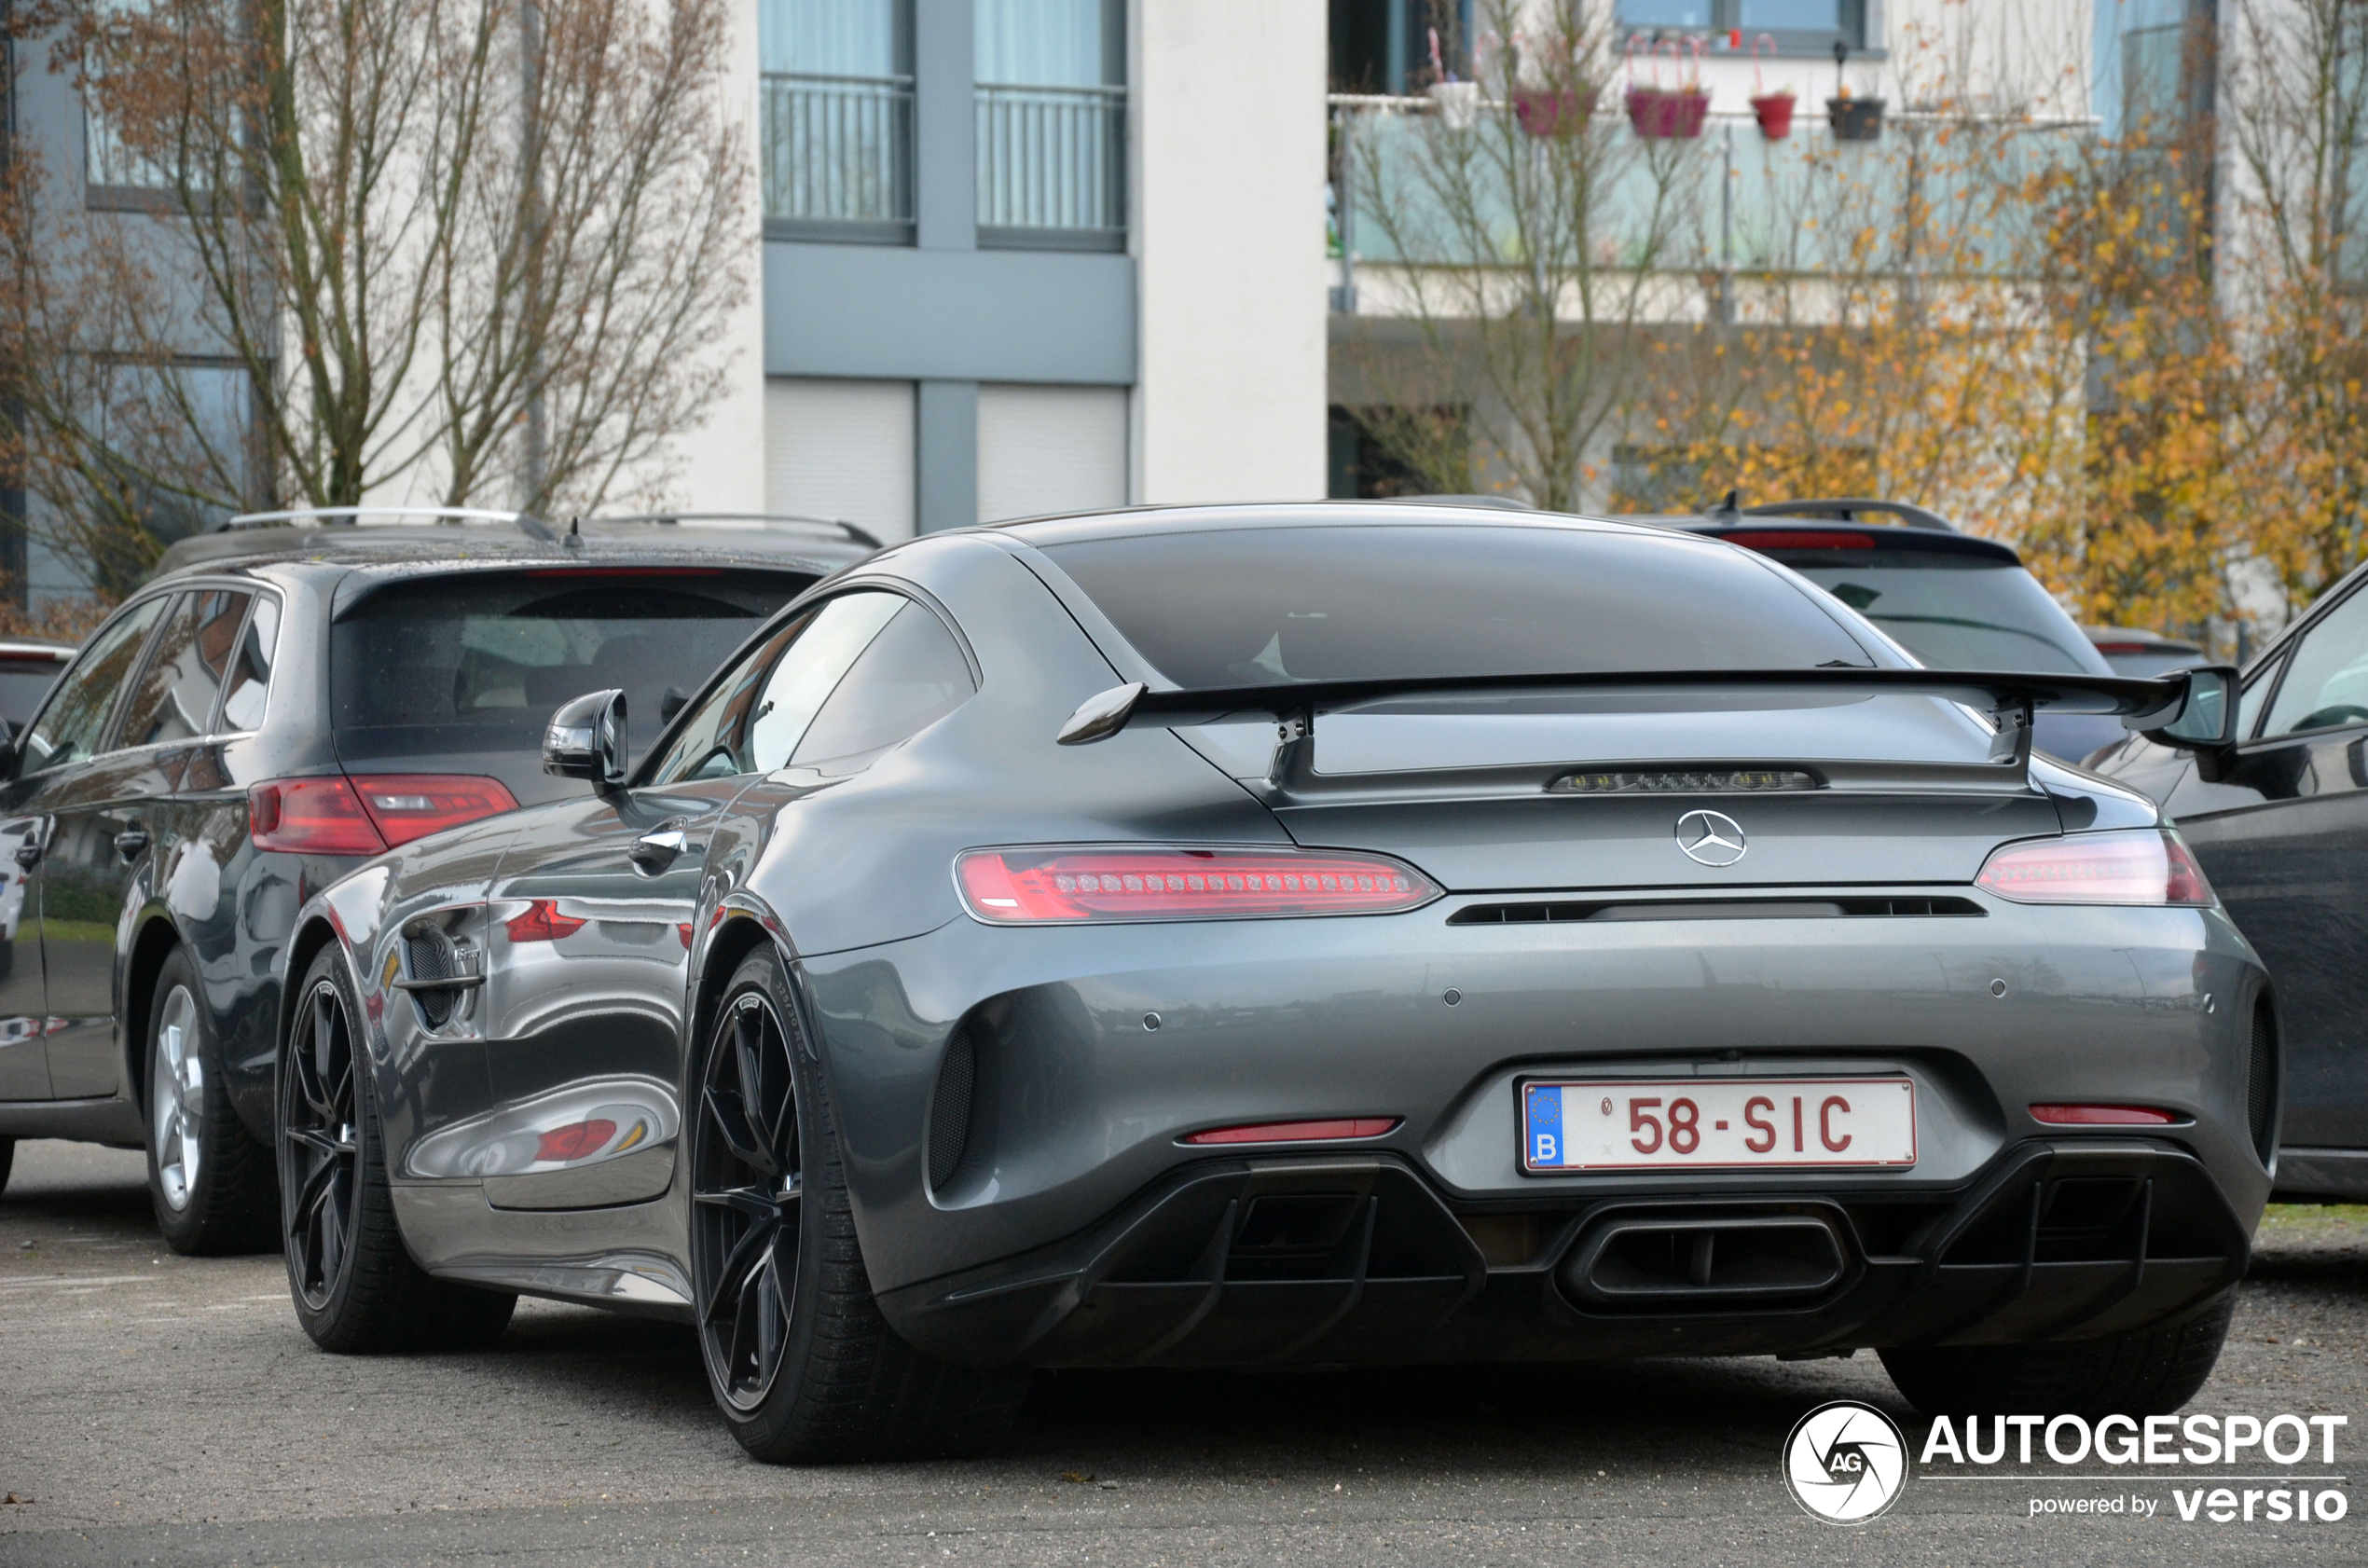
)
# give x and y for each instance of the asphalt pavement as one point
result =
(162, 1409)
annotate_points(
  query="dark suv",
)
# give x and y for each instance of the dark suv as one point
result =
(288, 696)
(1954, 600)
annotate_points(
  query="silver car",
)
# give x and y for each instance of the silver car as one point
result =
(1322, 933)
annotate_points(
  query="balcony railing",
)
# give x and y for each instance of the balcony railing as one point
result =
(1052, 166)
(838, 155)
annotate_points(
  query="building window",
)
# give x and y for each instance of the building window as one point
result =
(837, 107)
(1052, 123)
(1794, 26)
(114, 175)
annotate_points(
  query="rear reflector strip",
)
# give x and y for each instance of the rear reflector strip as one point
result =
(1297, 1132)
(1038, 886)
(2102, 1116)
(2143, 867)
(1673, 781)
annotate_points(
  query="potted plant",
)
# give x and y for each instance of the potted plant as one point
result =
(1458, 102)
(1853, 119)
(1673, 115)
(1773, 110)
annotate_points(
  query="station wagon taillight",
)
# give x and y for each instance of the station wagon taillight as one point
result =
(409, 805)
(1033, 887)
(2147, 866)
(370, 813)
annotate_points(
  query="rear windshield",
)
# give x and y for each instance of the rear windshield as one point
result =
(1269, 606)
(478, 663)
(1954, 611)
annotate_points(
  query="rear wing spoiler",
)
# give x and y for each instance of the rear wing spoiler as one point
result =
(2193, 710)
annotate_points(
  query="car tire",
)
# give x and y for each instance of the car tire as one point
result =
(210, 1184)
(7, 1160)
(2146, 1371)
(356, 1289)
(768, 1195)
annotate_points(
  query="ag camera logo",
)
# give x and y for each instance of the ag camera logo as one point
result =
(1846, 1462)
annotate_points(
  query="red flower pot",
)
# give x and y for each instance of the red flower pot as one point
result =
(1667, 116)
(1775, 113)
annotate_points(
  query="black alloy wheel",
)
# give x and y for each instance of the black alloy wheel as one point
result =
(800, 1361)
(356, 1288)
(748, 1202)
(319, 1145)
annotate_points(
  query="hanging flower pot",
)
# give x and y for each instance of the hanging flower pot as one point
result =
(1672, 115)
(1668, 116)
(1458, 103)
(1773, 110)
(1855, 119)
(1545, 111)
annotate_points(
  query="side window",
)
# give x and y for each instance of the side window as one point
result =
(174, 698)
(251, 670)
(810, 670)
(2326, 681)
(76, 715)
(911, 676)
(754, 719)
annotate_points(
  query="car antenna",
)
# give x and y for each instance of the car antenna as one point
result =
(1728, 511)
(574, 541)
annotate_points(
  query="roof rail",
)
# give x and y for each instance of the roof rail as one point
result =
(354, 517)
(744, 519)
(1847, 509)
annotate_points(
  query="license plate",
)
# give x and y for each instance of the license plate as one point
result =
(1691, 1124)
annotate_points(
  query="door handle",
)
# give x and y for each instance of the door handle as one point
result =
(129, 842)
(657, 849)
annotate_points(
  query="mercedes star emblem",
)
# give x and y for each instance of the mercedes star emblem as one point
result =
(1711, 837)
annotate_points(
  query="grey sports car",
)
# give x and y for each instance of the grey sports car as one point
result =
(1321, 933)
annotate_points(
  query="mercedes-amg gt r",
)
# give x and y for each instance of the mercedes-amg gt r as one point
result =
(1325, 933)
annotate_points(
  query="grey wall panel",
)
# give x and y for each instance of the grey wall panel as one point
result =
(919, 314)
(947, 455)
(945, 125)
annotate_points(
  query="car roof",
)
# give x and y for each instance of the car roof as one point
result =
(1138, 521)
(406, 542)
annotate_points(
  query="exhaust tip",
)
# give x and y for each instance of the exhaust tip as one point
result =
(1643, 1261)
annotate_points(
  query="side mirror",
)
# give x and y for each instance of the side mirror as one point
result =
(2204, 722)
(586, 740)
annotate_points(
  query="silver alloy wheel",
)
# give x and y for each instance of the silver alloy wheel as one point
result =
(176, 1097)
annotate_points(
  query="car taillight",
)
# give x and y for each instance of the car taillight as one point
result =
(2148, 866)
(542, 921)
(1031, 886)
(408, 806)
(311, 816)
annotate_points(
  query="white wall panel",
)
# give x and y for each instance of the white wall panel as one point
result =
(1050, 449)
(840, 449)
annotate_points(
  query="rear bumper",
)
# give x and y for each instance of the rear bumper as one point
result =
(1363, 1259)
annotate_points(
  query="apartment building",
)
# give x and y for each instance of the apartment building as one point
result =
(1015, 256)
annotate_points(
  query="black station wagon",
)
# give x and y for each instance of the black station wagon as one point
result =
(290, 696)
